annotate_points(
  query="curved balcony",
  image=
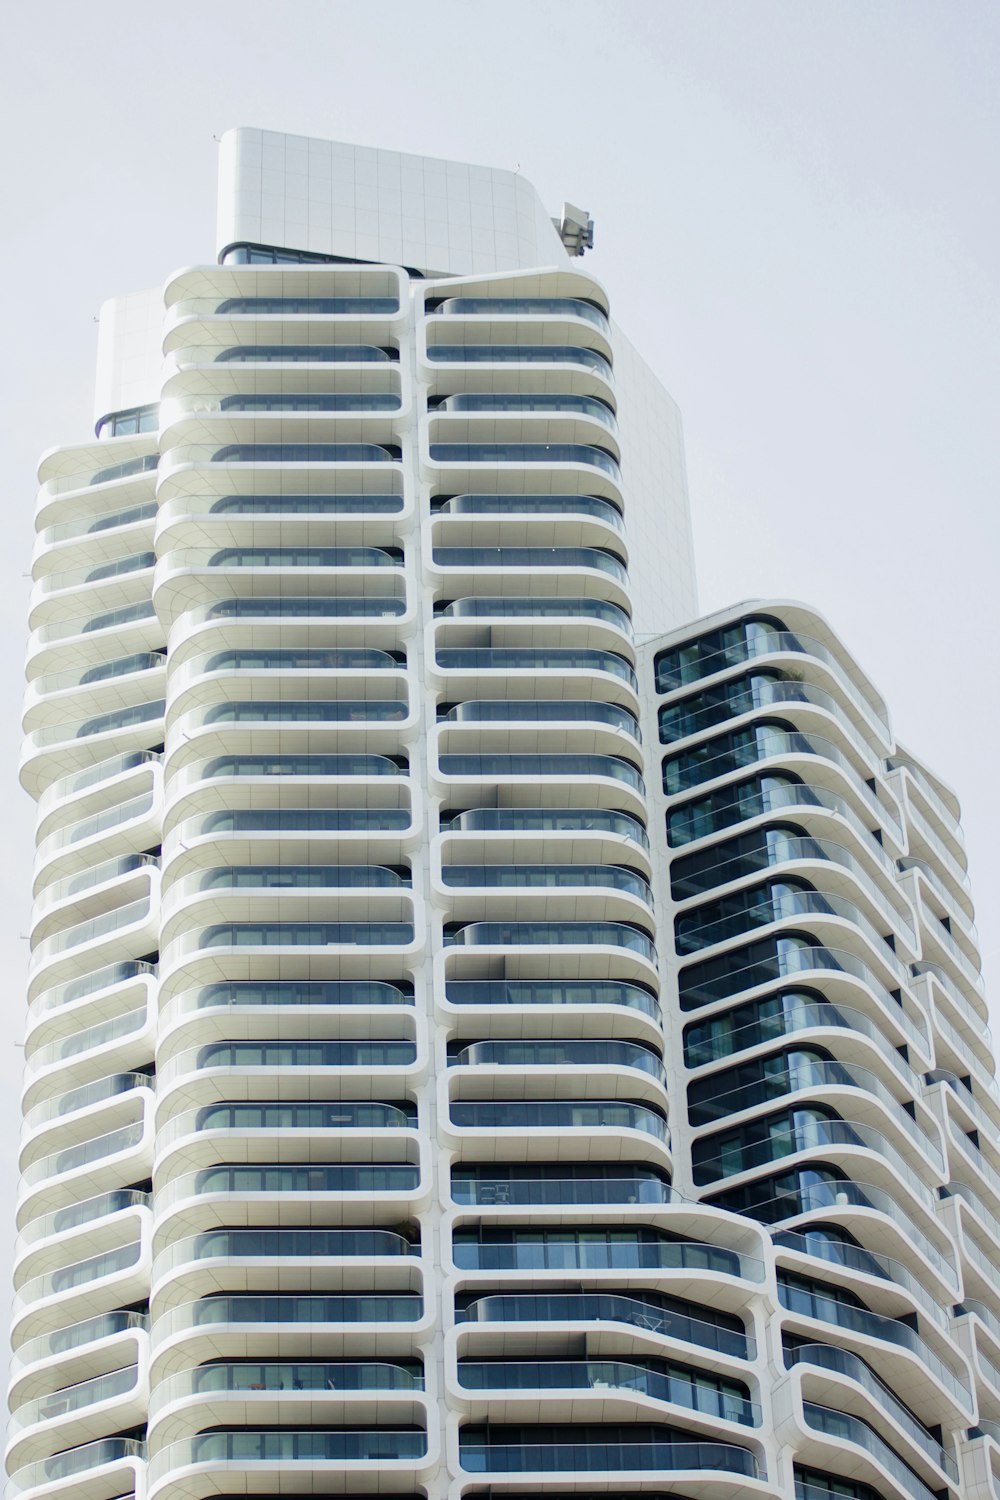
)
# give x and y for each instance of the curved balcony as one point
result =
(231, 1453)
(283, 307)
(270, 1246)
(76, 1338)
(518, 307)
(623, 1184)
(640, 1249)
(664, 1449)
(93, 1212)
(252, 995)
(278, 1181)
(524, 1053)
(240, 935)
(239, 1055)
(283, 354)
(764, 849)
(503, 504)
(289, 608)
(80, 1287)
(89, 477)
(726, 1033)
(685, 717)
(125, 869)
(801, 1128)
(830, 1309)
(590, 360)
(675, 1385)
(748, 641)
(745, 801)
(548, 877)
(840, 1362)
(820, 1244)
(522, 403)
(532, 559)
(284, 506)
(497, 767)
(240, 1310)
(477, 659)
(595, 821)
(524, 1115)
(774, 901)
(553, 934)
(738, 749)
(786, 957)
(84, 1154)
(307, 820)
(89, 987)
(85, 1466)
(609, 992)
(278, 404)
(100, 625)
(652, 1312)
(843, 1429)
(72, 1399)
(106, 1090)
(819, 1188)
(261, 1380)
(287, 712)
(537, 711)
(710, 1100)
(107, 925)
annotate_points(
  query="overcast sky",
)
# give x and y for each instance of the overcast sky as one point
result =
(797, 218)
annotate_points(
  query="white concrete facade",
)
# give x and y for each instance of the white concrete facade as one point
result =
(490, 1032)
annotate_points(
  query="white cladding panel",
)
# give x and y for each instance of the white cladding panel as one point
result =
(332, 198)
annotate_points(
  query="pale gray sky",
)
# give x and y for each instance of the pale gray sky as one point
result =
(797, 217)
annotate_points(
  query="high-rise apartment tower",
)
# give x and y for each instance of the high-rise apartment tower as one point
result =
(490, 1033)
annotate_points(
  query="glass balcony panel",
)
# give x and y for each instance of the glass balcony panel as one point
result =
(304, 1054)
(286, 354)
(304, 935)
(568, 710)
(590, 1457)
(556, 1054)
(552, 992)
(340, 1178)
(530, 505)
(534, 659)
(610, 767)
(845, 1428)
(314, 504)
(364, 1307)
(282, 453)
(748, 641)
(547, 820)
(532, 558)
(498, 1190)
(545, 1114)
(521, 354)
(541, 307)
(306, 820)
(544, 877)
(595, 1250)
(678, 1385)
(257, 307)
(300, 992)
(664, 1315)
(308, 711)
(529, 403)
(313, 606)
(577, 934)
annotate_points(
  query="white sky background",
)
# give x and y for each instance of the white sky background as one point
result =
(797, 217)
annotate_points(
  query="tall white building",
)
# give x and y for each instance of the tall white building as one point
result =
(491, 1034)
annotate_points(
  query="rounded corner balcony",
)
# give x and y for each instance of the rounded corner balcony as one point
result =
(756, 636)
(451, 363)
(461, 463)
